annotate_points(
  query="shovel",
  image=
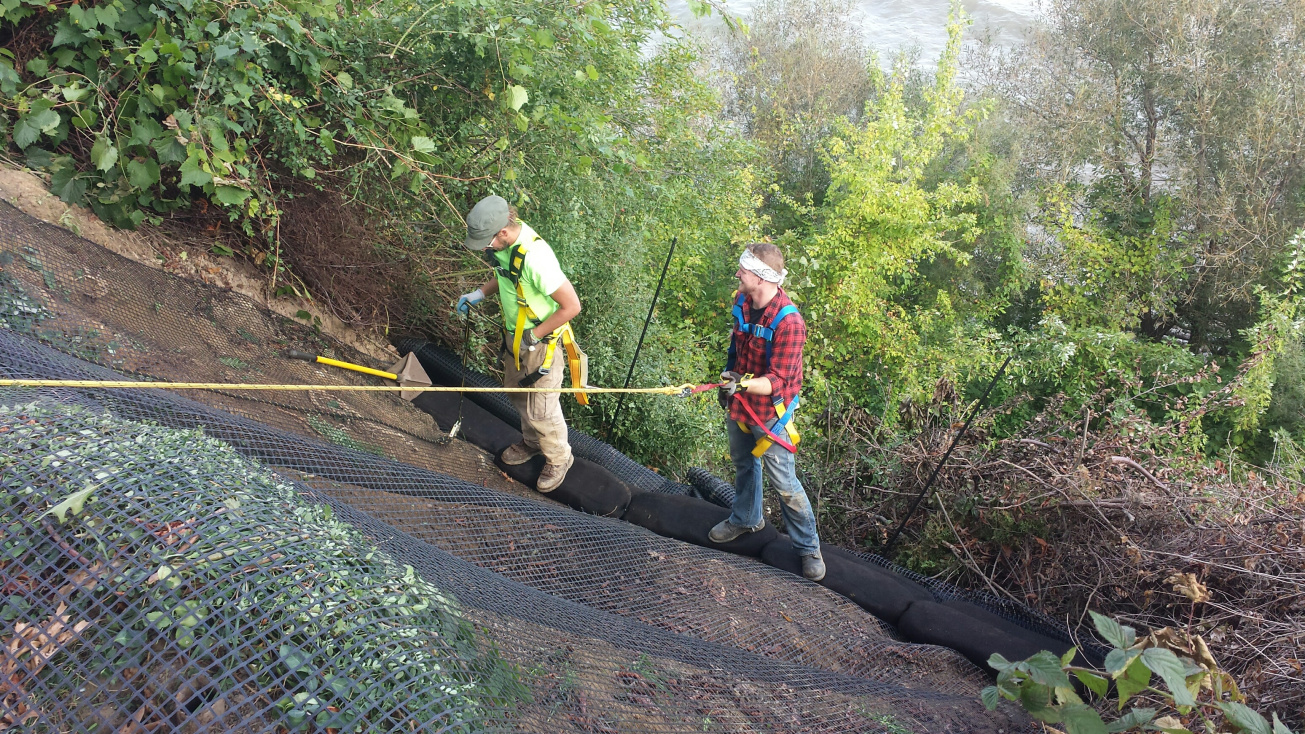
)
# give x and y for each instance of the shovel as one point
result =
(407, 371)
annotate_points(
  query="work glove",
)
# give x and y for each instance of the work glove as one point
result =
(528, 340)
(470, 299)
(731, 386)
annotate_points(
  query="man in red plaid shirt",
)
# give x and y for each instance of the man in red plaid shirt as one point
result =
(764, 377)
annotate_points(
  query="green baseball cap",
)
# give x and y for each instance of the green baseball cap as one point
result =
(487, 217)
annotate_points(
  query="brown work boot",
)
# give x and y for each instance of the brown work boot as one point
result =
(552, 475)
(813, 566)
(518, 453)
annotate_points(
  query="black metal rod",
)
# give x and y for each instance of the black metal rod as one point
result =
(639, 347)
(888, 547)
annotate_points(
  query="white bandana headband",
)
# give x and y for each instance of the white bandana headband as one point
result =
(754, 265)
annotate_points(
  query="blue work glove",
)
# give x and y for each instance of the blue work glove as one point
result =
(470, 299)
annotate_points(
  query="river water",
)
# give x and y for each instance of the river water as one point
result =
(891, 25)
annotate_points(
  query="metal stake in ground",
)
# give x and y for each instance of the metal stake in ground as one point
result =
(462, 396)
(888, 547)
(620, 403)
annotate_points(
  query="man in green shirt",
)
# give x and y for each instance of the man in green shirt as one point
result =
(528, 273)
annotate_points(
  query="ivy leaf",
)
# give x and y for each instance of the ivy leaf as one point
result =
(145, 131)
(1167, 665)
(9, 79)
(192, 174)
(517, 96)
(66, 33)
(293, 658)
(26, 132)
(1113, 632)
(107, 15)
(104, 155)
(231, 195)
(65, 181)
(73, 503)
(1245, 718)
(142, 174)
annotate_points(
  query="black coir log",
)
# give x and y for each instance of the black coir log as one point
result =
(479, 427)
(588, 487)
(690, 519)
(973, 637)
(876, 590)
(1060, 647)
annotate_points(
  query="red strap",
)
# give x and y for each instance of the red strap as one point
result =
(705, 388)
(762, 425)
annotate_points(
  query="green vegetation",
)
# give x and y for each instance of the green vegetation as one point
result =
(180, 561)
(1194, 686)
(1116, 203)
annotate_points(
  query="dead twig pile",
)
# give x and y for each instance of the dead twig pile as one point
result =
(1102, 510)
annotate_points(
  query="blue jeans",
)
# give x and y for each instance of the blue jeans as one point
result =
(782, 471)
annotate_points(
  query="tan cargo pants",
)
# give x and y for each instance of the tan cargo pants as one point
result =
(542, 424)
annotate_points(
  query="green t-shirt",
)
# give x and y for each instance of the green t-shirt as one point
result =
(540, 275)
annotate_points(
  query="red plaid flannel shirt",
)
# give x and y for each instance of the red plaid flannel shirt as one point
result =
(785, 369)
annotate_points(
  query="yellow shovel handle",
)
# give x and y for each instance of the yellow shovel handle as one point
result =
(357, 368)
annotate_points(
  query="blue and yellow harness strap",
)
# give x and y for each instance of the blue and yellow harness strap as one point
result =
(784, 413)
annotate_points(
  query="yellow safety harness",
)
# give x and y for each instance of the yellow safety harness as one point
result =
(577, 360)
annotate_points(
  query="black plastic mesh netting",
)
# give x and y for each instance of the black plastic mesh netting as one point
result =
(222, 561)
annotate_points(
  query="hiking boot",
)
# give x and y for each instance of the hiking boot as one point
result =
(813, 566)
(725, 531)
(552, 475)
(518, 453)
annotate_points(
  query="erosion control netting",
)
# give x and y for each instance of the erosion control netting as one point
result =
(443, 367)
(222, 561)
(172, 563)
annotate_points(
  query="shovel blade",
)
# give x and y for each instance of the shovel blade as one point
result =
(410, 373)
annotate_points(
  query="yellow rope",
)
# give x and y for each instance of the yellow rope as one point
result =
(669, 390)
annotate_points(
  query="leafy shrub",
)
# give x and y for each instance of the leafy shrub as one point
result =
(1195, 687)
(188, 565)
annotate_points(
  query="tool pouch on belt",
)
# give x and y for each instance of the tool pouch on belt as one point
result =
(577, 361)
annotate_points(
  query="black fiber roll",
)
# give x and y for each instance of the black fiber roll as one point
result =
(875, 590)
(690, 519)
(587, 487)
(974, 611)
(710, 487)
(444, 368)
(976, 639)
(478, 426)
